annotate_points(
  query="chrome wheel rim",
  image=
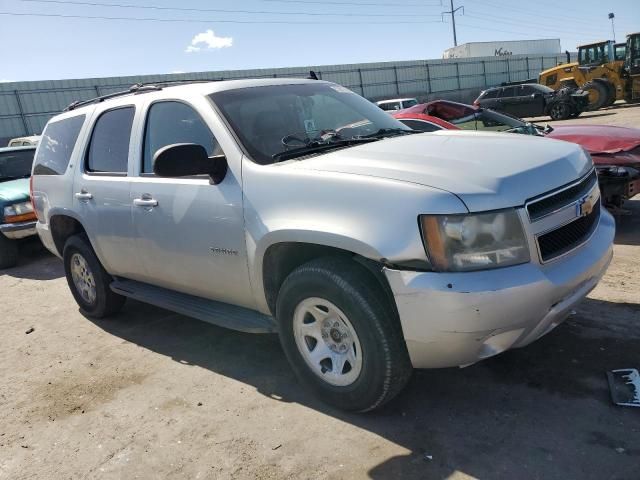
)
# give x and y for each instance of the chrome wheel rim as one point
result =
(327, 341)
(83, 278)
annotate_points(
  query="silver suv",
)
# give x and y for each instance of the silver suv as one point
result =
(298, 207)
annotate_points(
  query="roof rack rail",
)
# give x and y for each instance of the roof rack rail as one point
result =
(136, 89)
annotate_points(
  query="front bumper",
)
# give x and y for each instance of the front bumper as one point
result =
(15, 231)
(456, 319)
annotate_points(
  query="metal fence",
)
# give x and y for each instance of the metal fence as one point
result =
(25, 107)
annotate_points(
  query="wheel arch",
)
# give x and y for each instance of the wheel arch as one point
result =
(280, 258)
(63, 226)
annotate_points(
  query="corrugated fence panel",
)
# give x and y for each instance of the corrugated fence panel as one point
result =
(11, 127)
(39, 100)
(8, 104)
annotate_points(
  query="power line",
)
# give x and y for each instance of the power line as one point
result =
(538, 14)
(543, 27)
(188, 20)
(522, 34)
(220, 10)
(358, 4)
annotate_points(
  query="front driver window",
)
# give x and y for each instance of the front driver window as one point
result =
(174, 122)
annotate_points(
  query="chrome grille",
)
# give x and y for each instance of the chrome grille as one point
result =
(554, 201)
(566, 238)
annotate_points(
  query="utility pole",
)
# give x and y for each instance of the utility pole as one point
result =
(611, 17)
(453, 21)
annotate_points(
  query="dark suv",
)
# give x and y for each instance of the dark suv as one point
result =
(534, 100)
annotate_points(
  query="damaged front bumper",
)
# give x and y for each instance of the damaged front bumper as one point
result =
(456, 319)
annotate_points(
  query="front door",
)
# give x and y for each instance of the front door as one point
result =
(189, 233)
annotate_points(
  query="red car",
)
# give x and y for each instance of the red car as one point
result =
(615, 150)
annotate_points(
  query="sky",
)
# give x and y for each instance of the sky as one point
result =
(54, 39)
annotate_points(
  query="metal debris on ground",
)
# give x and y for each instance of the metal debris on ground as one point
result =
(30, 330)
(624, 384)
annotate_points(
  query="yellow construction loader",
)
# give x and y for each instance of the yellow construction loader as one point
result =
(601, 70)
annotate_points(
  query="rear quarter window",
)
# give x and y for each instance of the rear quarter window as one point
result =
(489, 94)
(56, 146)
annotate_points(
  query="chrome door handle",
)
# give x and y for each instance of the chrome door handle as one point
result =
(145, 202)
(83, 195)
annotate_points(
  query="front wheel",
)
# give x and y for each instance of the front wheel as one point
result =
(88, 280)
(559, 111)
(341, 335)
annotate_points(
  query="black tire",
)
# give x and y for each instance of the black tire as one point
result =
(600, 91)
(386, 367)
(611, 96)
(106, 302)
(560, 111)
(8, 252)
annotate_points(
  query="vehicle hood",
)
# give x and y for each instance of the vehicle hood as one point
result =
(14, 191)
(599, 138)
(486, 170)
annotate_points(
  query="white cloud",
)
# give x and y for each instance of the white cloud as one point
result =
(6, 81)
(178, 71)
(208, 41)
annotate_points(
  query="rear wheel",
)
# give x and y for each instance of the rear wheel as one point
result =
(341, 335)
(8, 252)
(88, 280)
(598, 94)
(560, 111)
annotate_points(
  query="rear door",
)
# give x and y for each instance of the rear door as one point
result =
(490, 99)
(101, 190)
(508, 101)
(189, 233)
(534, 105)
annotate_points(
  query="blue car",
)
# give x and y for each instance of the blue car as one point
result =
(17, 218)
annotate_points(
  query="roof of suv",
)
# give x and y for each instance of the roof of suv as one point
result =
(203, 88)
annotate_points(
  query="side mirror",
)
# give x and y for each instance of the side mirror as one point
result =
(187, 159)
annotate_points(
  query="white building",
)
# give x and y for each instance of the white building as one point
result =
(550, 46)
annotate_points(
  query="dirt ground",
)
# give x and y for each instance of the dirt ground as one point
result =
(152, 394)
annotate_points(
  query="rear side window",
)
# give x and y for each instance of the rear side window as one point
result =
(109, 147)
(489, 94)
(421, 125)
(15, 164)
(409, 103)
(508, 92)
(56, 146)
(174, 122)
(390, 106)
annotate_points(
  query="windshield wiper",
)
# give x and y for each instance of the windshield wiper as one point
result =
(387, 132)
(320, 146)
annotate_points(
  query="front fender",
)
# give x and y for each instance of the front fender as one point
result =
(375, 218)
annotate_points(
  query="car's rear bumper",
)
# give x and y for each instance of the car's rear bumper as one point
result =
(46, 238)
(16, 231)
(456, 319)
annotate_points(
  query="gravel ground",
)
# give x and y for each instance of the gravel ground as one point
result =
(152, 394)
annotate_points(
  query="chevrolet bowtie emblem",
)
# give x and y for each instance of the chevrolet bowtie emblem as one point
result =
(585, 204)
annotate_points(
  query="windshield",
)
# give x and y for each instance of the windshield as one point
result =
(15, 164)
(273, 119)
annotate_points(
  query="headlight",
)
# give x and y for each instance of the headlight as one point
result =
(458, 243)
(19, 212)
